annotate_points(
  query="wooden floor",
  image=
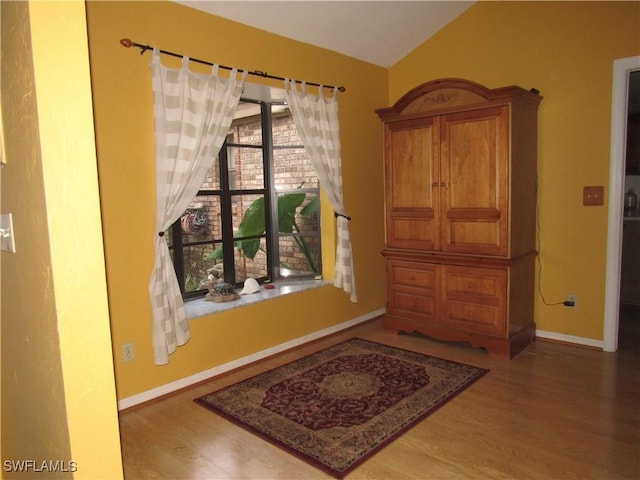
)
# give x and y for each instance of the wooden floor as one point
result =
(552, 412)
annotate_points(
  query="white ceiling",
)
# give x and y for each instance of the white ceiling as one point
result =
(378, 32)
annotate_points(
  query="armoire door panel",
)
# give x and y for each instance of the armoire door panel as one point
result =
(474, 236)
(412, 166)
(474, 156)
(412, 170)
(416, 232)
(471, 162)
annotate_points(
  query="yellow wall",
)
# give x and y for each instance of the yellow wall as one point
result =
(124, 135)
(566, 50)
(29, 324)
(58, 395)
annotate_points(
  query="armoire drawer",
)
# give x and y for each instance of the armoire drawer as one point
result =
(416, 307)
(413, 275)
(475, 318)
(475, 299)
(483, 284)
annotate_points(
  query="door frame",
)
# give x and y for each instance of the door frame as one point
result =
(621, 70)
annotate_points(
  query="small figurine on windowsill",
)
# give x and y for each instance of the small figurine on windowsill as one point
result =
(219, 291)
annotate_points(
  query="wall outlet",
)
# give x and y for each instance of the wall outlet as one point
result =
(128, 352)
(572, 297)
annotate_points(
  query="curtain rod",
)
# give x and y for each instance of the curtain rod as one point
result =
(125, 42)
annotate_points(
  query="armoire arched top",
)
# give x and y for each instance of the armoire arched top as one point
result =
(453, 93)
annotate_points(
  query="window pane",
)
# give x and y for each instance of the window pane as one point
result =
(246, 169)
(284, 129)
(298, 212)
(254, 266)
(212, 180)
(201, 220)
(246, 129)
(307, 215)
(197, 262)
(248, 215)
(300, 255)
(292, 168)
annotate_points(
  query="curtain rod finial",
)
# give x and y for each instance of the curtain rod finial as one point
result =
(125, 42)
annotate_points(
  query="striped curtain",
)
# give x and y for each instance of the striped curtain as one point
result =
(317, 120)
(193, 114)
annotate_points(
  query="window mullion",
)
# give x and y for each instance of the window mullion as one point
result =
(271, 198)
(228, 260)
(178, 254)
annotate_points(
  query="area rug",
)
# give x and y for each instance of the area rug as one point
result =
(337, 407)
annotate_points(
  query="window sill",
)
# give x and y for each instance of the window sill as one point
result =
(200, 307)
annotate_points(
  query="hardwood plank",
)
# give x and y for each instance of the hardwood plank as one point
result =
(553, 412)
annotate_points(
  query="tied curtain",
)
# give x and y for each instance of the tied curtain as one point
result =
(317, 120)
(193, 113)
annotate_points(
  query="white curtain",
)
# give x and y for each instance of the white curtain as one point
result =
(317, 120)
(193, 113)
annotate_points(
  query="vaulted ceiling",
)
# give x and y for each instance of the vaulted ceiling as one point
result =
(378, 32)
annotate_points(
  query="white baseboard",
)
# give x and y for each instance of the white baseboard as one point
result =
(561, 337)
(227, 367)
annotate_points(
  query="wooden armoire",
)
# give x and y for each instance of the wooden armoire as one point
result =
(460, 186)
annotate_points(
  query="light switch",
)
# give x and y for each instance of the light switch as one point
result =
(7, 242)
(592, 196)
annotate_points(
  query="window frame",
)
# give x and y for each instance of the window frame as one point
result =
(225, 193)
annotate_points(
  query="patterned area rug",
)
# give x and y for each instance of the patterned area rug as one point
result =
(337, 407)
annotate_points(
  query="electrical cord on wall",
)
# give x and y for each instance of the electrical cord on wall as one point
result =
(566, 303)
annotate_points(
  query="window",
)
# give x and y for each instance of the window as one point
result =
(257, 213)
